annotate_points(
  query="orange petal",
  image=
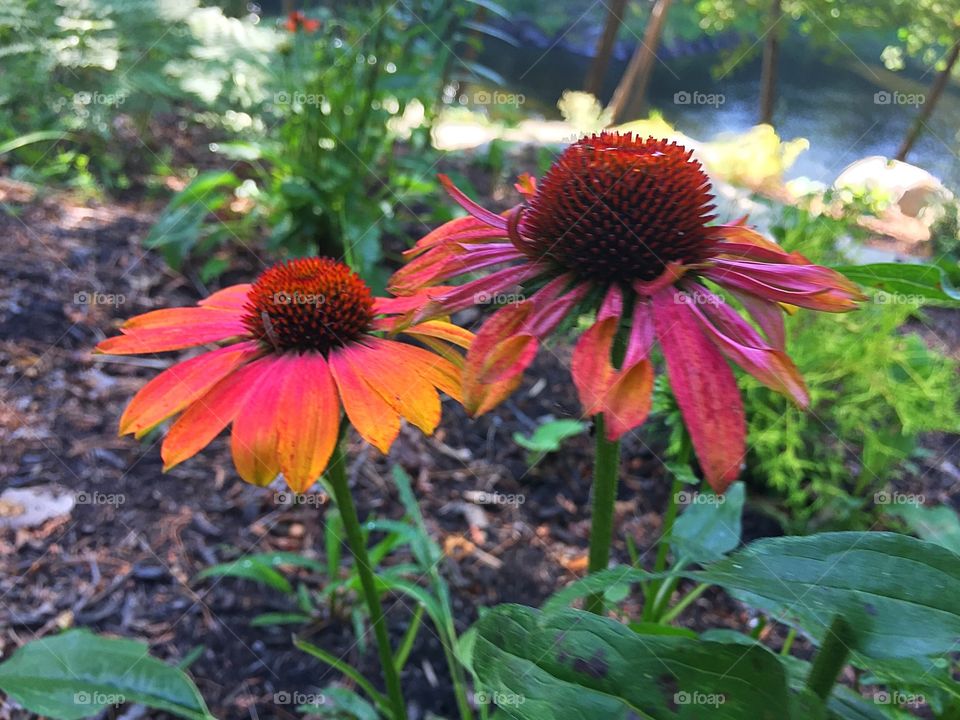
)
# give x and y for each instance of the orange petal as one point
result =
(163, 339)
(178, 386)
(627, 403)
(591, 366)
(180, 317)
(210, 414)
(254, 438)
(374, 419)
(442, 330)
(230, 298)
(401, 384)
(308, 419)
(440, 372)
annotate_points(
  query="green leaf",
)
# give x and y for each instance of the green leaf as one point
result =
(77, 674)
(901, 595)
(341, 704)
(710, 526)
(34, 137)
(549, 436)
(919, 283)
(576, 665)
(599, 582)
(940, 525)
(249, 569)
(279, 618)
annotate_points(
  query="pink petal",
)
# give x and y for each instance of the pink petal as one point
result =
(705, 389)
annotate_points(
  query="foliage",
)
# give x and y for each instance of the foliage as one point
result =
(549, 436)
(873, 389)
(403, 578)
(99, 70)
(899, 633)
(92, 672)
(347, 149)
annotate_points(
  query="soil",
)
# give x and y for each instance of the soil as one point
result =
(125, 560)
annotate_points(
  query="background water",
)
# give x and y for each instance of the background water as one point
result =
(827, 98)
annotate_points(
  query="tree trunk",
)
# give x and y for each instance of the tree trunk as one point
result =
(629, 97)
(601, 59)
(771, 55)
(936, 90)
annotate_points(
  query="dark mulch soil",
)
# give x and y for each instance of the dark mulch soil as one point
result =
(125, 559)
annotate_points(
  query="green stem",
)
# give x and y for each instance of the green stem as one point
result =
(673, 613)
(832, 657)
(605, 475)
(663, 546)
(337, 475)
(788, 642)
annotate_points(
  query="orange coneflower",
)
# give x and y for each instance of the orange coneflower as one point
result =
(296, 20)
(623, 226)
(300, 346)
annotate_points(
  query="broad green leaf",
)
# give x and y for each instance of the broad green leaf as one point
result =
(940, 525)
(575, 665)
(710, 526)
(919, 283)
(77, 674)
(900, 594)
(652, 628)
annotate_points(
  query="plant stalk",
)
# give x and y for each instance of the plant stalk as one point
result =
(605, 475)
(832, 657)
(337, 476)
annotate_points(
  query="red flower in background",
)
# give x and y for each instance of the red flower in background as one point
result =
(622, 225)
(296, 20)
(300, 351)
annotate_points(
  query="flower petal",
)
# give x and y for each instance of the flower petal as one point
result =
(253, 441)
(479, 212)
(171, 318)
(401, 384)
(374, 419)
(705, 389)
(308, 419)
(442, 330)
(173, 329)
(627, 403)
(209, 415)
(229, 298)
(743, 345)
(180, 385)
